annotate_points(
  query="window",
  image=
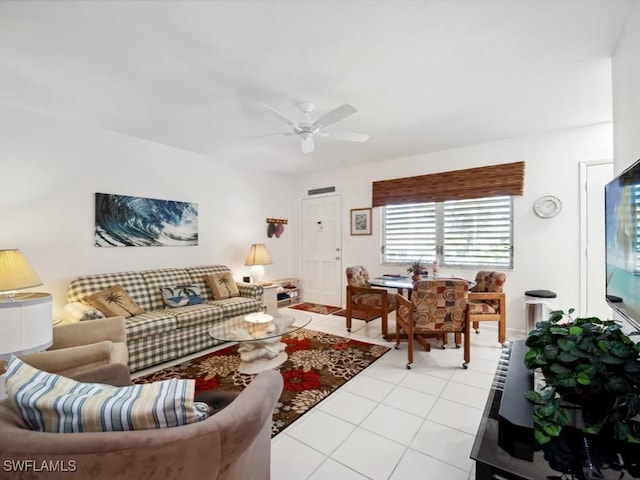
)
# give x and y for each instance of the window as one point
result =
(456, 233)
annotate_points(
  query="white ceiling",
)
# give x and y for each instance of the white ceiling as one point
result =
(424, 75)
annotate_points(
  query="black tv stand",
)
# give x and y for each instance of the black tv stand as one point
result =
(506, 451)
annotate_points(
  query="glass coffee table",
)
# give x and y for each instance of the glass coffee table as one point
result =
(258, 335)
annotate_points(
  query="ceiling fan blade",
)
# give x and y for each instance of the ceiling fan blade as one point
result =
(277, 115)
(336, 115)
(307, 144)
(348, 136)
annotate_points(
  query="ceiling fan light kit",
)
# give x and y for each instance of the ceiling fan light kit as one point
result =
(308, 128)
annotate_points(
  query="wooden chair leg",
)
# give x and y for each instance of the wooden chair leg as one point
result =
(502, 328)
(410, 340)
(385, 323)
(476, 326)
(348, 317)
(467, 345)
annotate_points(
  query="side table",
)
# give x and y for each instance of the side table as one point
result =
(270, 299)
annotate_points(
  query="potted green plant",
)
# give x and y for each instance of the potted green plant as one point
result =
(417, 268)
(589, 364)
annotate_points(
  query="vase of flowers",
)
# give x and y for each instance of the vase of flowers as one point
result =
(417, 268)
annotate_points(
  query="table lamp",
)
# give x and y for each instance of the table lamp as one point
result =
(258, 256)
(25, 318)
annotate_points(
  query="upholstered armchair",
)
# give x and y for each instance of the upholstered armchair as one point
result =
(81, 346)
(437, 307)
(234, 443)
(487, 302)
(363, 298)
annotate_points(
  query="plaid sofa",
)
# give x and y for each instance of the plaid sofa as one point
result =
(161, 334)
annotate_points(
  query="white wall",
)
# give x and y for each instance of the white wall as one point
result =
(626, 93)
(546, 250)
(626, 99)
(51, 169)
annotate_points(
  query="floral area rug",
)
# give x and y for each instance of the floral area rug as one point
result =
(315, 308)
(318, 364)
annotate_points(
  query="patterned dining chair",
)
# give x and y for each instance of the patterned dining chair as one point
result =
(487, 302)
(437, 307)
(363, 299)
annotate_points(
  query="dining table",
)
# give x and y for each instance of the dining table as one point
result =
(402, 283)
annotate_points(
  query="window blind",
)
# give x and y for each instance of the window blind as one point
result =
(456, 233)
(481, 182)
(409, 232)
(478, 232)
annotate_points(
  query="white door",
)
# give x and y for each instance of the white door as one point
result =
(321, 250)
(594, 177)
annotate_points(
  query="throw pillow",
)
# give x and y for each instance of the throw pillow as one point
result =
(49, 402)
(222, 285)
(114, 302)
(181, 295)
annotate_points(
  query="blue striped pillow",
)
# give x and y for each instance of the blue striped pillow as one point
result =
(49, 402)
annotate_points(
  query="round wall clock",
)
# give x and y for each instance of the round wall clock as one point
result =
(547, 206)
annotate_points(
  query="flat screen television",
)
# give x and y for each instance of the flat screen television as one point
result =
(622, 230)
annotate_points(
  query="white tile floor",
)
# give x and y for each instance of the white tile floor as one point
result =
(391, 423)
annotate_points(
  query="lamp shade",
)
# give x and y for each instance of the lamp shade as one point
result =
(258, 255)
(15, 272)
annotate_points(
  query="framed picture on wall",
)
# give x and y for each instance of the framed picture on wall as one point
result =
(360, 221)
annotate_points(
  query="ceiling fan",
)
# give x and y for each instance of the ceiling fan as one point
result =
(308, 128)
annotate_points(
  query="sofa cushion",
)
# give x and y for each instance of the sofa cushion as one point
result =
(151, 323)
(157, 279)
(181, 295)
(222, 285)
(151, 350)
(49, 402)
(114, 302)
(195, 314)
(198, 274)
(132, 282)
(235, 306)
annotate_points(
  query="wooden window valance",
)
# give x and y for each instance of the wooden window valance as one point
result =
(480, 182)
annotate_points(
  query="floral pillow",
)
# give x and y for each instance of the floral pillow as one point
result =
(181, 295)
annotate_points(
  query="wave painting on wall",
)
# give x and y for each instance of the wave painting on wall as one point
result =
(124, 221)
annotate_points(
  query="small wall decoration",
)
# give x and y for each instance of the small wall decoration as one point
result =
(276, 226)
(124, 221)
(360, 221)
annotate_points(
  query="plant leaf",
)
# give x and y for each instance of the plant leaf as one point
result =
(611, 359)
(575, 330)
(567, 357)
(583, 379)
(540, 437)
(545, 410)
(594, 429)
(619, 349)
(533, 396)
(559, 368)
(557, 330)
(566, 344)
(566, 382)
